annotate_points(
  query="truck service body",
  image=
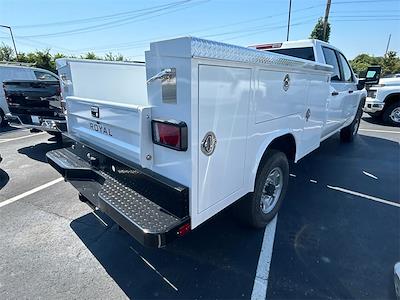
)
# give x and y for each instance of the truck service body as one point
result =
(164, 146)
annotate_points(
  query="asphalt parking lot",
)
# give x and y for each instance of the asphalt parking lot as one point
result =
(337, 235)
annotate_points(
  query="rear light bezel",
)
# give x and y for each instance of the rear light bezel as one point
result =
(183, 133)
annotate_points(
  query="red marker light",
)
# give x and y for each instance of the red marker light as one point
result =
(170, 134)
(184, 229)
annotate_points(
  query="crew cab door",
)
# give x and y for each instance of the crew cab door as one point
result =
(350, 104)
(339, 93)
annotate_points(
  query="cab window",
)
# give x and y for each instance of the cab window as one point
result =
(44, 76)
(303, 52)
(331, 59)
(347, 74)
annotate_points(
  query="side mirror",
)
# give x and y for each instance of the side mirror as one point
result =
(373, 75)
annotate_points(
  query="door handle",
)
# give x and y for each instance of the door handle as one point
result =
(335, 93)
(350, 92)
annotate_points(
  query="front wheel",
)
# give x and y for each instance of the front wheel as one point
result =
(348, 133)
(270, 189)
(391, 114)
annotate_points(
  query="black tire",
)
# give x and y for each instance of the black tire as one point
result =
(348, 133)
(390, 113)
(3, 121)
(376, 115)
(251, 209)
(57, 135)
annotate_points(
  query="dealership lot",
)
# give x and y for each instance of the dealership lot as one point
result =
(337, 234)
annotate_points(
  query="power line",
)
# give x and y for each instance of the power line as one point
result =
(92, 19)
(145, 41)
(124, 21)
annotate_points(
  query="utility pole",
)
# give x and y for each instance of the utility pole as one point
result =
(12, 38)
(288, 22)
(388, 43)
(328, 7)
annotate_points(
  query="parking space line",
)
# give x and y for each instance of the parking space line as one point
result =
(364, 196)
(379, 130)
(30, 192)
(21, 137)
(100, 219)
(369, 175)
(154, 269)
(264, 262)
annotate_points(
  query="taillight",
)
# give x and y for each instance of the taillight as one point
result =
(170, 134)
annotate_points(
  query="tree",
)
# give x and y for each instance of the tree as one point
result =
(45, 60)
(112, 57)
(390, 63)
(318, 31)
(90, 55)
(6, 53)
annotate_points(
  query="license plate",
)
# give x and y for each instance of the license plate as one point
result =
(35, 120)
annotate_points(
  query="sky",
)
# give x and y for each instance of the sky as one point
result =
(74, 27)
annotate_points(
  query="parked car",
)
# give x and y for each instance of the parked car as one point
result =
(19, 71)
(165, 146)
(36, 104)
(383, 100)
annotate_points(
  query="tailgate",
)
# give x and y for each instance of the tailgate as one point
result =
(119, 130)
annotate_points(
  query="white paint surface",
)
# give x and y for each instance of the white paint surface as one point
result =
(364, 196)
(378, 130)
(30, 192)
(20, 137)
(370, 175)
(264, 262)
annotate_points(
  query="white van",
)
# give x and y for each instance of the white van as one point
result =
(15, 71)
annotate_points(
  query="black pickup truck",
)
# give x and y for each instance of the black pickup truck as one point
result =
(35, 104)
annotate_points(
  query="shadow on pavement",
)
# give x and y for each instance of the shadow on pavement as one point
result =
(328, 244)
(376, 121)
(7, 128)
(334, 245)
(38, 151)
(216, 260)
(4, 178)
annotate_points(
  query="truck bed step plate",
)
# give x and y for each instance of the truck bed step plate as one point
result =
(146, 221)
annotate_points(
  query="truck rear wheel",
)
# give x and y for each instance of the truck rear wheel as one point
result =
(391, 114)
(270, 189)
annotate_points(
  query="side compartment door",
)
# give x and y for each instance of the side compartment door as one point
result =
(316, 112)
(224, 94)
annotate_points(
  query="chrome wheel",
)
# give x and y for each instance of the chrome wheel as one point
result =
(395, 115)
(272, 190)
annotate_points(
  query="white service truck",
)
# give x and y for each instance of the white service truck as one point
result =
(161, 147)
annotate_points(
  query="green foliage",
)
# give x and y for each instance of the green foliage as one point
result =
(318, 31)
(90, 55)
(390, 63)
(112, 57)
(6, 53)
(45, 60)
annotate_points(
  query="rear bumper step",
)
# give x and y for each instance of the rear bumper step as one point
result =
(132, 201)
(45, 123)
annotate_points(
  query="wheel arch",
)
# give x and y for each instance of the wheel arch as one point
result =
(389, 99)
(285, 143)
